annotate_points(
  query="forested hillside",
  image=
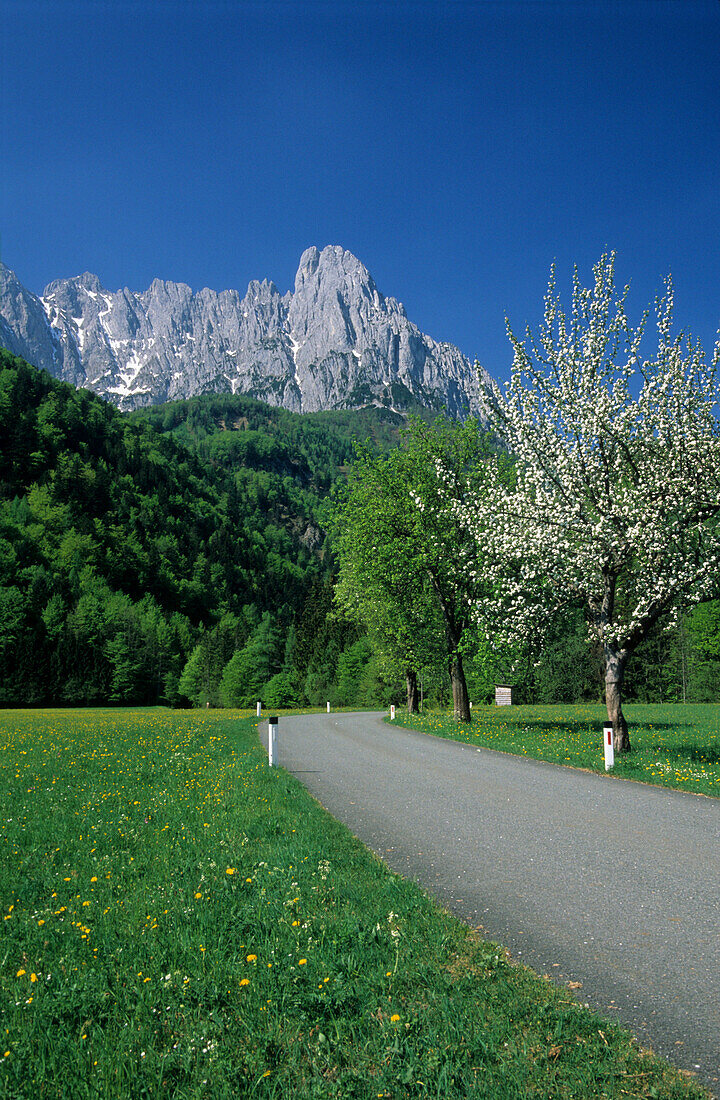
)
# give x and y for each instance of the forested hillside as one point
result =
(124, 553)
(238, 431)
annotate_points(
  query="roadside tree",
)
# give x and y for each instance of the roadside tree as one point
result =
(617, 487)
(407, 563)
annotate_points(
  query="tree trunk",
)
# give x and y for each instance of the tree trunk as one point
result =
(461, 700)
(614, 674)
(411, 681)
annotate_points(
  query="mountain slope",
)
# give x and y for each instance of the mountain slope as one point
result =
(120, 548)
(333, 342)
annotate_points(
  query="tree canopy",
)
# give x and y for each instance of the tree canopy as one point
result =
(617, 488)
(407, 568)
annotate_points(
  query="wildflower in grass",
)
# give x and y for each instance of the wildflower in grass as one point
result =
(251, 958)
(244, 981)
(33, 977)
(198, 895)
(20, 973)
(394, 1018)
(301, 962)
(229, 870)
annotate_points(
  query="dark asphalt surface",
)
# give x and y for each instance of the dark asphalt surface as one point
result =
(585, 878)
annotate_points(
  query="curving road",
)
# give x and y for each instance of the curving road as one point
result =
(587, 879)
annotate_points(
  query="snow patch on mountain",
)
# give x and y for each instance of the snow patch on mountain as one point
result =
(334, 341)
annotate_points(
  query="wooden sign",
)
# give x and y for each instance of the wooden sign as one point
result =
(503, 695)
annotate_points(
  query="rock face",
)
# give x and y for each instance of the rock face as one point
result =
(332, 342)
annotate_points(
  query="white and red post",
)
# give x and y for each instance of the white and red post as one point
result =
(608, 746)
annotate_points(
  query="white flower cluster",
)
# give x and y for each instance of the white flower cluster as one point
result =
(616, 491)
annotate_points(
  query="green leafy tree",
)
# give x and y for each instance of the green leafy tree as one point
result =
(196, 681)
(407, 566)
(279, 691)
(351, 667)
(699, 650)
(251, 667)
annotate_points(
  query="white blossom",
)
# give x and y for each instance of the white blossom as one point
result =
(617, 487)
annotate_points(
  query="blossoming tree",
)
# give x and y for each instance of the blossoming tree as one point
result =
(617, 488)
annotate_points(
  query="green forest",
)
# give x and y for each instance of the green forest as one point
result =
(186, 554)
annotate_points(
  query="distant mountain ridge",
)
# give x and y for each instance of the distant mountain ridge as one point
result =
(333, 342)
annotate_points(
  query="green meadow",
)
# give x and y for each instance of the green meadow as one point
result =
(672, 745)
(179, 920)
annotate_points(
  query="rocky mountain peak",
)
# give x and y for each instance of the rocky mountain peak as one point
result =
(262, 290)
(333, 266)
(86, 281)
(333, 342)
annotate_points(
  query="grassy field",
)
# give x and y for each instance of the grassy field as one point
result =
(672, 746)
(179, 920)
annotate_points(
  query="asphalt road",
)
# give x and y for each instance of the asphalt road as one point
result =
(585, 878)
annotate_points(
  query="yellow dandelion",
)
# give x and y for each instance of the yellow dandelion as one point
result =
(33, 977)
(301, 962)
(20, 973)
(251, 958)
(244, 981)
(229, 870)
(394, 1018)
(198, 895)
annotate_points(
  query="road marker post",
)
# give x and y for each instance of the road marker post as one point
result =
(259, 708)
(608, 746)
(328, 708)
(272, 741)
(392, 712)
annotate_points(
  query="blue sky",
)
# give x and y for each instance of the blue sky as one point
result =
(456, 148)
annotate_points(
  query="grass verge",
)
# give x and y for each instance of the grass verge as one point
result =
(182, 921)
(672, 745)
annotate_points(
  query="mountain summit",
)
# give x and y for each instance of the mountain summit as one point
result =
(333, 342)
